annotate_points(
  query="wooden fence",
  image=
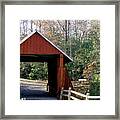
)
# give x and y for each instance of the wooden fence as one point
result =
(70, 95)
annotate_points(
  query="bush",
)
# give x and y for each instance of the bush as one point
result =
(33, 71)
(95, 88)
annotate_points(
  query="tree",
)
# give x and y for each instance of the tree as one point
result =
(80, 39)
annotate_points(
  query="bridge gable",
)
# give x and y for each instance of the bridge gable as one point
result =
(37, 44)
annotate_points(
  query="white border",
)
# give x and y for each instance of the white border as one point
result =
(106, 15)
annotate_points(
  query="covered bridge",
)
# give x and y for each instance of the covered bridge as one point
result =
(36, 48)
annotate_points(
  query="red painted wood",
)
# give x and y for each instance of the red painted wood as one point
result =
(36, 44)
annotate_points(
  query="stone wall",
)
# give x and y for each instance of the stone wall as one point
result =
(81, 86)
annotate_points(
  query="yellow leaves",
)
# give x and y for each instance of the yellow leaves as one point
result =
(49, 33)
(89, 69)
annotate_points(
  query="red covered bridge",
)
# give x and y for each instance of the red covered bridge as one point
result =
(37, 48)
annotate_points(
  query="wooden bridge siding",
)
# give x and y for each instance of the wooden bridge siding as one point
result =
(56, 75)
(36, 44)
(62, 75)
(68, 82)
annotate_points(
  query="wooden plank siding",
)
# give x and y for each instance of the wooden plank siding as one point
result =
(37, 45)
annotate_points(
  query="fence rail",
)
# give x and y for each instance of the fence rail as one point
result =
(69, 93)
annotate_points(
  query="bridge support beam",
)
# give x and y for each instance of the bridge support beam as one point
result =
(60, 73)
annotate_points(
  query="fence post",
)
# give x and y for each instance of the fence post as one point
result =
(87, 96)
(61, 93)
(69, 93)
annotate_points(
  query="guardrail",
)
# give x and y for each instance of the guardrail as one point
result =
(69, 93)
(33, 81)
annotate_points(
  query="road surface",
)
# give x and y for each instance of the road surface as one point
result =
(34, 92)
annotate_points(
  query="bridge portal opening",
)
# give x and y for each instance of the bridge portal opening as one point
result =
(34, 80)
